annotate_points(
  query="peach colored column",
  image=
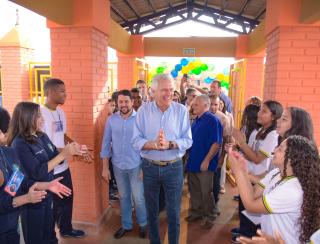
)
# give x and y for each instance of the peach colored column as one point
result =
(15, 58)
(79, 58)
(126, 71)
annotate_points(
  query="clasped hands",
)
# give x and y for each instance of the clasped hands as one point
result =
(161, 143)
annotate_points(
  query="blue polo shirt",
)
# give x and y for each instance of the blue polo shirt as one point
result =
(206, 131)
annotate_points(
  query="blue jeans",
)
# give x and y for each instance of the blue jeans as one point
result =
(170, 177)
(129, 183)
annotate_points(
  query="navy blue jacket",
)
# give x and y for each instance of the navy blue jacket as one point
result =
(34, 159)
(9, 215)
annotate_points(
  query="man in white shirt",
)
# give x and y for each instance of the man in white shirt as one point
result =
(55, 127)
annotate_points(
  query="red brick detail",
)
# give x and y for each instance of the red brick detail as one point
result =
(292, 67)
(254, 77)
(79, 58)
(14, 75)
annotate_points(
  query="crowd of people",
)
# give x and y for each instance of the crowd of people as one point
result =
(190, 133)
(155, 139)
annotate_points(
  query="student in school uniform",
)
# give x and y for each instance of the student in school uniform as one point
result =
(55, 126)
(259, 148)
(10, 202)
(38, 157)
(286, 196)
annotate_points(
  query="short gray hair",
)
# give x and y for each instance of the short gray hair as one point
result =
(204, 98)
(158, 78)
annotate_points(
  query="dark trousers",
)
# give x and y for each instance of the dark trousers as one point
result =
(62, 207)
(112, 181)
(10, 237)
(247, 228)
(37, 223)
(201, 198)
(216, 184)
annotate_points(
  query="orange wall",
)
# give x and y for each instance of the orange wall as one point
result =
(204, 46)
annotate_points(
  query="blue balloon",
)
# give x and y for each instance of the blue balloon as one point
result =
(208, 80)
(226, 71)
(174, 73)
(178, 67)
(184, 62)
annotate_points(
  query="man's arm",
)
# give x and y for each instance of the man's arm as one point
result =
(212, 152)
(185, 141)
(199, 89)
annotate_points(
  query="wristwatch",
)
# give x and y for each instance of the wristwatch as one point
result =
(171, 145)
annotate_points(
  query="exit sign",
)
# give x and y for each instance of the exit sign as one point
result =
(189, 52)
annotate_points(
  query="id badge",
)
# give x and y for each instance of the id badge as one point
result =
(57, 126)
(14, 183)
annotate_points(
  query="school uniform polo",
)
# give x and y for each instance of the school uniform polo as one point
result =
(282, 199)
(265, 146)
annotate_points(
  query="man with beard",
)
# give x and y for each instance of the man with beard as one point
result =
(162, 134)
(126, 164)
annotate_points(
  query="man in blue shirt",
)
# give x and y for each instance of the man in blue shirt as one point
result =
(202, 162)
(162, 134)
(126, 163)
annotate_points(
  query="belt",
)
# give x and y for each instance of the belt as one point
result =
(162, 163)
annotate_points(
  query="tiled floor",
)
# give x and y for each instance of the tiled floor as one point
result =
(190, 233)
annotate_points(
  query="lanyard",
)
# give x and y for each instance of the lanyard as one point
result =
(6, 161)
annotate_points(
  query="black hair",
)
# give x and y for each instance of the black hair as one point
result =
(301, 124)
(249, 120)
(218, 83)
(51, 84)
(224, 110)
(135, 90)
(276, 110)
(303, 156)
(140, 82)
(125, 93)
(4, 120)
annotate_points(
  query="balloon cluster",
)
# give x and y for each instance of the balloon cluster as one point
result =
(222, 77)
(189, 66)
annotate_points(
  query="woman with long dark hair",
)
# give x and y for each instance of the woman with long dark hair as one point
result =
(257, 149)
(287, 197)
(12, 196)
(38, 157)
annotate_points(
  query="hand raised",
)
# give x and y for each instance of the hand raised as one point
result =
(59, 189)
(72, 149)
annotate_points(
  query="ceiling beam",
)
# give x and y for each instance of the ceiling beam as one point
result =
(310, 11)
(118, 13)
(159, 19)
(224, 4)
(260, 14)
(131, 8)
(245, 5)
(151, 6)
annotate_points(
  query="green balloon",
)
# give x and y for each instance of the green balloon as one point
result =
(196, 71)
(160, 70)
(204, 67)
